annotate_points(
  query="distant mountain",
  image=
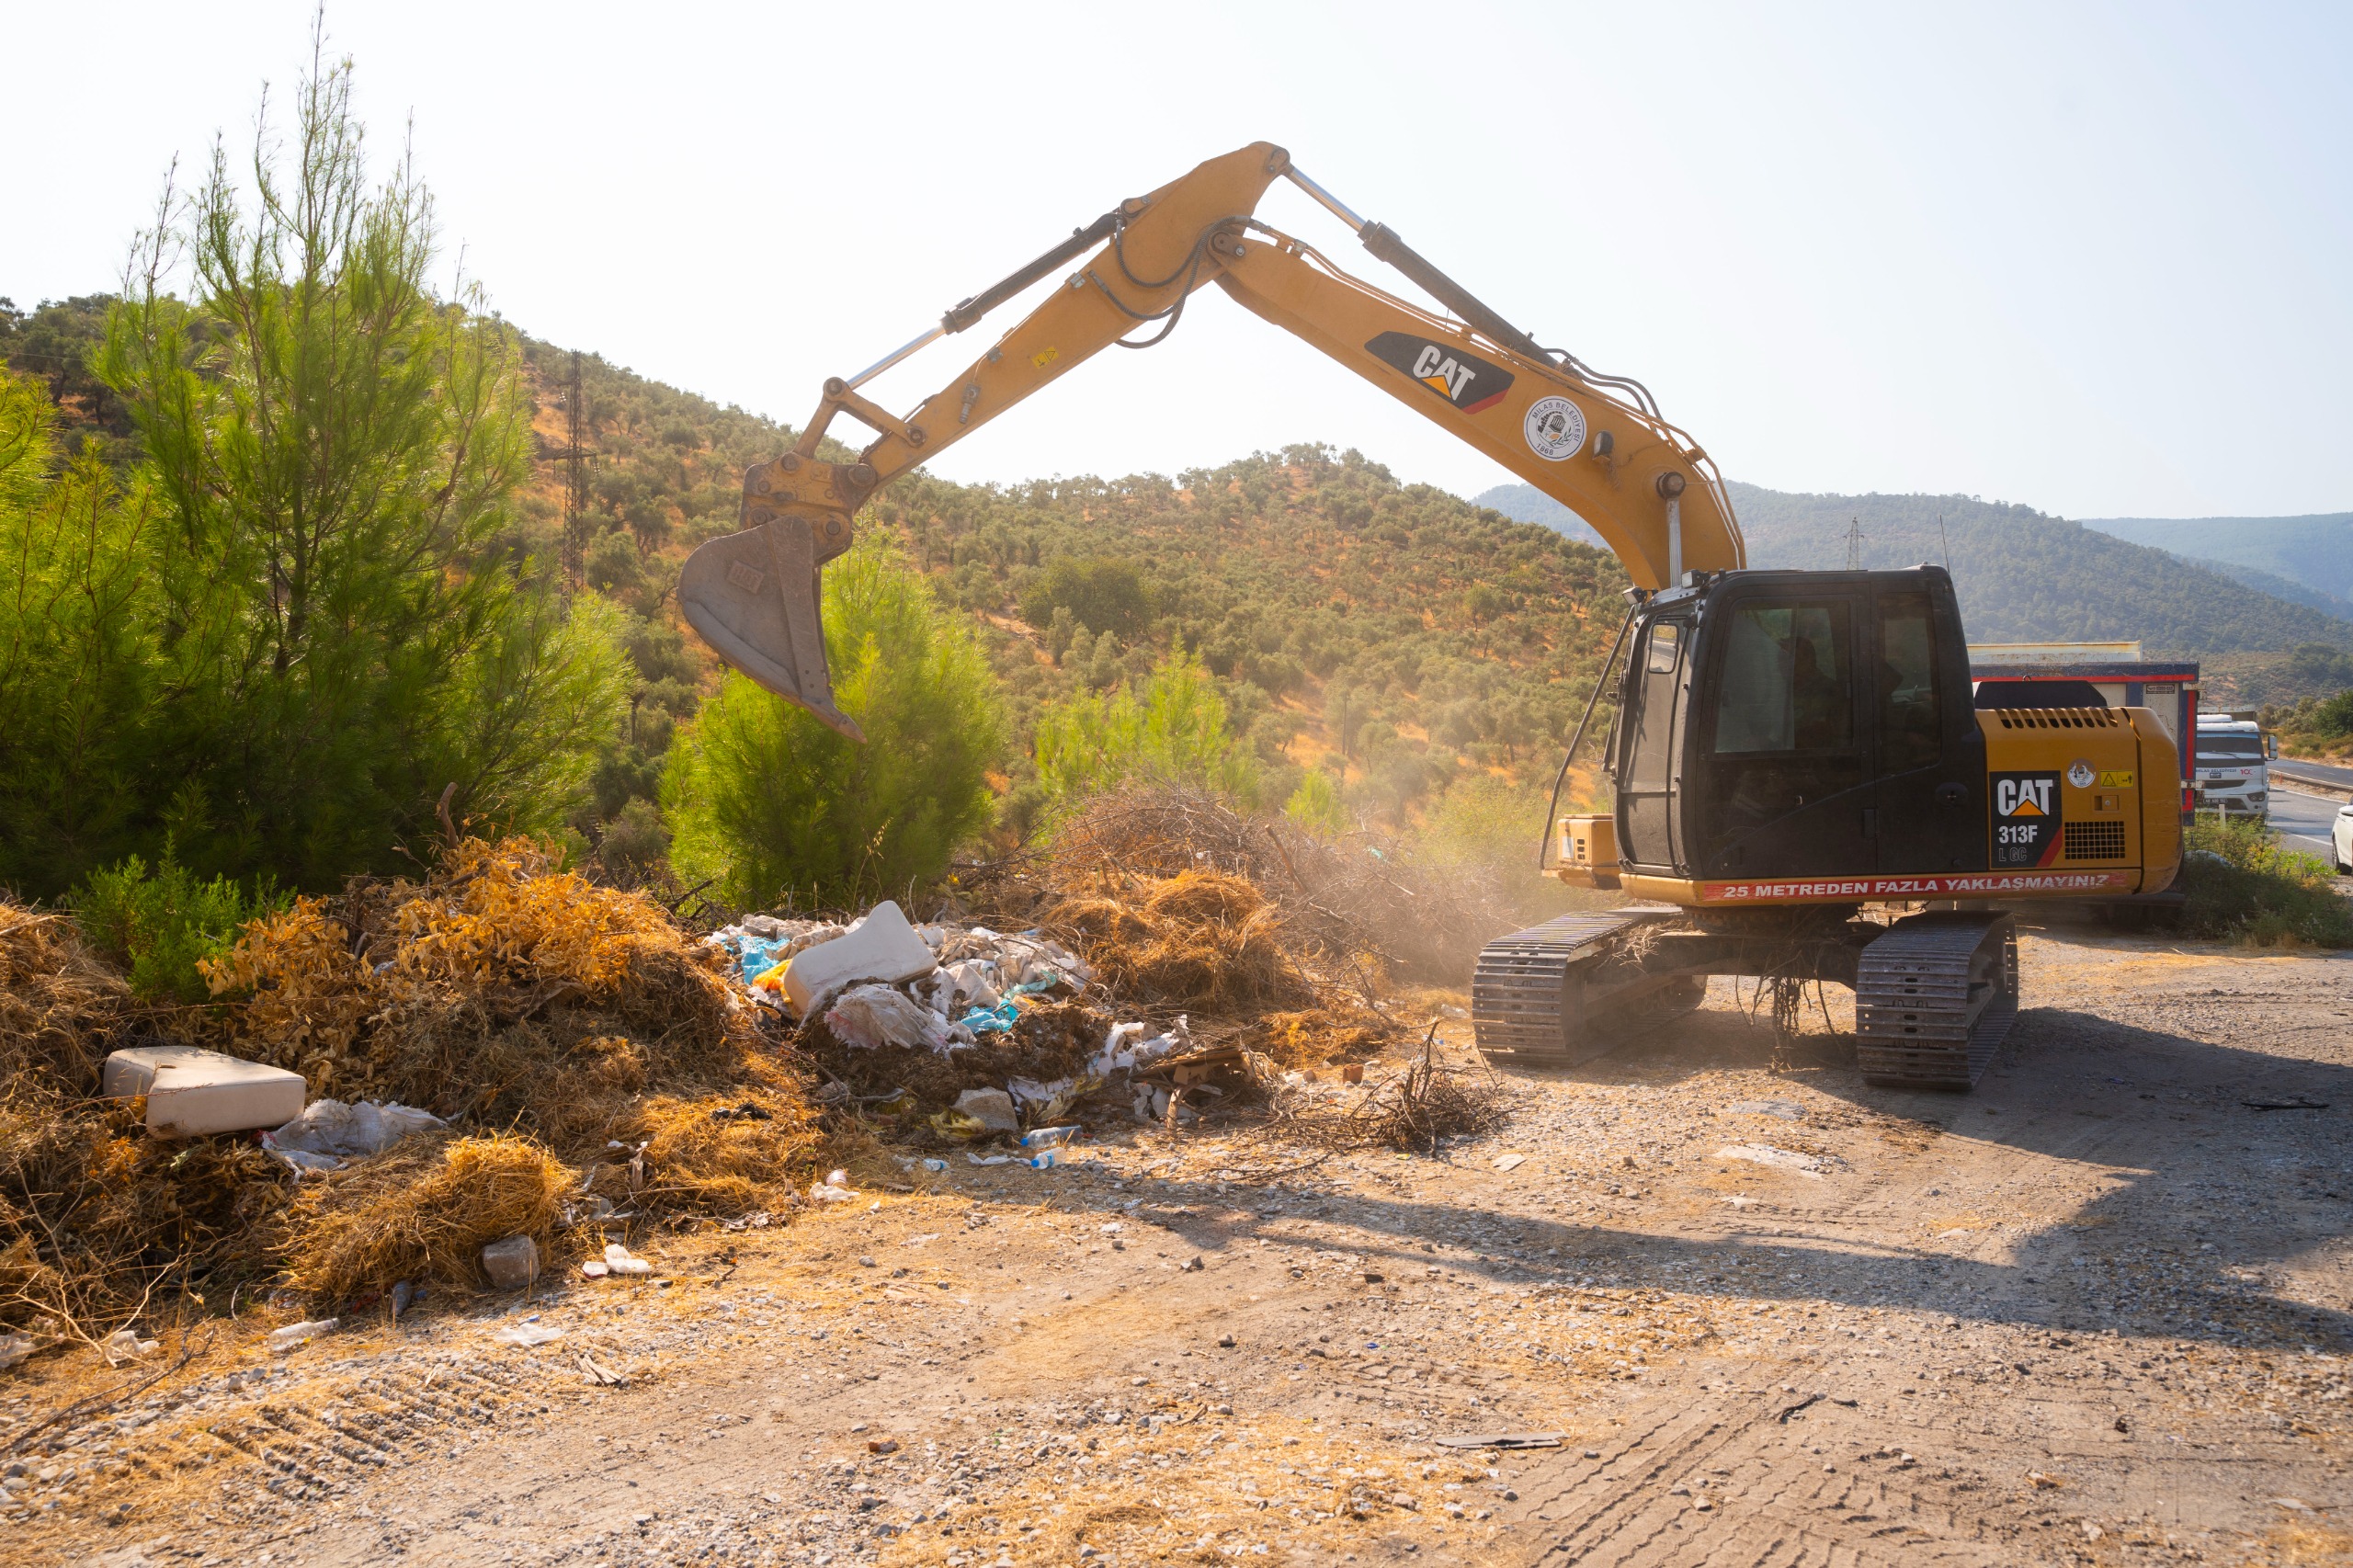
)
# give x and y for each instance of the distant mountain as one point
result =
(2278, 588)
(2023, 575)
(1526, 503)
(2315, 550)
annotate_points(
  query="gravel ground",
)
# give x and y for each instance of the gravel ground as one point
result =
(2096, 1312)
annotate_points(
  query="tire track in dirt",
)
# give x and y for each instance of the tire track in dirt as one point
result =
(1729, 1482)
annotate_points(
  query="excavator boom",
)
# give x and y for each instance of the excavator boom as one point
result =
(1594, 443)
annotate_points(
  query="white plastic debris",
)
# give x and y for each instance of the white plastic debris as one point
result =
(529, 1335)
(124, 1344)
(1043, 1102)
(883, 948)
(873, 1016)
(191, 1092)
(620, 1260)
(15, 1348)
(1125, 1049)
(329, 1132)
(835, 1188)
(295, 1333)
(974, 986)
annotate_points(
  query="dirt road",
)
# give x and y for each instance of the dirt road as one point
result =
(2096, 1311)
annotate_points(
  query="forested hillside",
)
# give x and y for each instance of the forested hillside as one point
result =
(2314, 552)
(2023, 575)
(2278, 588)
(1395, 636)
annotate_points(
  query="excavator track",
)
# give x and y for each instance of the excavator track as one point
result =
(1530, 1004)
(1934, 998)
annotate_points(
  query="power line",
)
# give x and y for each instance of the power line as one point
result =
(578, 457)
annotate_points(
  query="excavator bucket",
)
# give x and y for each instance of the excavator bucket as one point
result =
(754, 598)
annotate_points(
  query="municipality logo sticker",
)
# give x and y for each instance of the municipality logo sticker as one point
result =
(1555, 428)
(2080, 774)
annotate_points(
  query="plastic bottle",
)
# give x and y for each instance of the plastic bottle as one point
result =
(1050, 1137)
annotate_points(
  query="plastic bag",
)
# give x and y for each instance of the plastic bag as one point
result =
(991, 1020)
(873, 1016)
(329, 1132)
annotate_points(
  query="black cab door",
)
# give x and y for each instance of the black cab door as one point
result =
(1649, 741)
(1781, 777)
(1928, 752)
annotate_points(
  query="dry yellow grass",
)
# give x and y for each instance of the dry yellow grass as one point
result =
(501, 992)
(422, 1213)
(1201, 939)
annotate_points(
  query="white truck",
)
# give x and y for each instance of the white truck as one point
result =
(2232, 772)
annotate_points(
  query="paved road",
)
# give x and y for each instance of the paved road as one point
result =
(2318, 772)
(2302, 821)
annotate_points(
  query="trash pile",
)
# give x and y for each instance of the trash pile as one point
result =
(960, 984)
(962, 1034)
(388, 1081)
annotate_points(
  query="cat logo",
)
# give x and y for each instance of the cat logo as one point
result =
(2023, 797)
(1467, 381)
(2026, 819)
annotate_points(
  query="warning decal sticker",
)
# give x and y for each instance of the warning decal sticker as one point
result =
(1967, 884)
(2026, 819)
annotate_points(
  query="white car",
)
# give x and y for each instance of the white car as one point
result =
(2340, 839)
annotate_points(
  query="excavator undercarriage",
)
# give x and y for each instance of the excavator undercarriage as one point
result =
(1935, 993)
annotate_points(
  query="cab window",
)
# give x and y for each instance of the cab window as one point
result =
(1911, 733)
(1785, 681)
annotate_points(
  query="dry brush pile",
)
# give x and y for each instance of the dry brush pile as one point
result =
(578, 1042)
(1267, 934)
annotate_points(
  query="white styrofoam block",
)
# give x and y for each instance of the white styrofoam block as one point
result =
(884, 947)
(191, 1092)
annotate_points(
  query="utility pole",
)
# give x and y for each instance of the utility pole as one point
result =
(579, 458)
(1854, 544)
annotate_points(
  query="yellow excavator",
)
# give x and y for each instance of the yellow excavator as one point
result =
(1788, 749)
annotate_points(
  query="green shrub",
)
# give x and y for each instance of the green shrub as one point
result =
(765, 800)
(300, 620)
(156, 924)
(1172, 729)
(2334, 717)
(1315, 805)
(2243, 885)
(1101, 592)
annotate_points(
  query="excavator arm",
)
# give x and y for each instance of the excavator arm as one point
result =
(1594, 443)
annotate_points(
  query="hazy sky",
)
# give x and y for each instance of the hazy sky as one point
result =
(2089, 257)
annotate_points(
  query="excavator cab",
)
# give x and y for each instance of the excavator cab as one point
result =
(1777, 725)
